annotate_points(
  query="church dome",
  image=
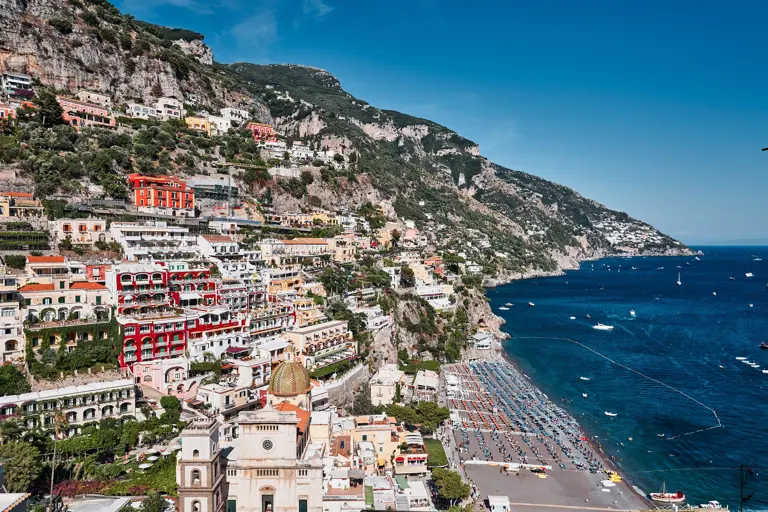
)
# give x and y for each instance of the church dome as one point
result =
(290, 378)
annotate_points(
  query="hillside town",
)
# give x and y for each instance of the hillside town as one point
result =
(175, 335)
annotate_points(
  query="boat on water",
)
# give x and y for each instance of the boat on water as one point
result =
(633, 268)
(679, 282)
(764, 371)
(754, 365)
(611, 414)
(731, 278)
(572, 317)
(632, 313)
(749, 274)
(697, 258)
(531, 304)
(584, 378)
(584, 395)
(687, 263)
(758, 259)
(743, 358)
(588, 317)
(503, 308)
(667, 497)
(764, 344)
(509, 304)
(602, 327)
(713, 504)
(751, 305)
(714, 293)
(660, 268)
(746, 361)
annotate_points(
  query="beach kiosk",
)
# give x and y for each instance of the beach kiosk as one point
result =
(498, 503)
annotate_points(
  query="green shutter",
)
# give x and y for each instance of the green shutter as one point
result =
(302, 505)
(231, 505)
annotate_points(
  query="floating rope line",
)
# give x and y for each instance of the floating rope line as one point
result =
(689, 397)
(703, 468)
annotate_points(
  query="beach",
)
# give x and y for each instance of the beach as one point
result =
(509, 439)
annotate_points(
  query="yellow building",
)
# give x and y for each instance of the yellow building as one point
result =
(199, 124)
(20, 205)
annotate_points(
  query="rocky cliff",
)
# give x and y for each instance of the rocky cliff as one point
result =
(512, 223)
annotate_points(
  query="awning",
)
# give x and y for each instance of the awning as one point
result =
(237, 350)
(400, 459)
(189, 296)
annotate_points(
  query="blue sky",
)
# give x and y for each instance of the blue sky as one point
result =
(654, 107)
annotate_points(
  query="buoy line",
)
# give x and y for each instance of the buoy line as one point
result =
(689, 397)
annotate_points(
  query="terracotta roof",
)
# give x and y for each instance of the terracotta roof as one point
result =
(218, 238)
(36, 287)
(87, 285)
(16, 194)
(300, 413)
(306, 241)
(45, 259)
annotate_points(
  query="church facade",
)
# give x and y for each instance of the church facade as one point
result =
(266, 469)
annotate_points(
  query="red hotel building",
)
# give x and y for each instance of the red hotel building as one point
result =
(163, 195)
(262, 132)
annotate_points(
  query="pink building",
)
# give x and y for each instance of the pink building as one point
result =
(80, 113)
(262, 132)
(168, 376)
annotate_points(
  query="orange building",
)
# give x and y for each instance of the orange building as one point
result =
(80, 113)
(262, 132)
(163, 195)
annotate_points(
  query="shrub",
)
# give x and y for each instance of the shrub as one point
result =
(17, 261)
(62, 25)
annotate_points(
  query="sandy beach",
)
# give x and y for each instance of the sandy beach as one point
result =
(502, 427)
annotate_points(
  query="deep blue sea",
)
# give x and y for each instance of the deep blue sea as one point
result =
(680, 337)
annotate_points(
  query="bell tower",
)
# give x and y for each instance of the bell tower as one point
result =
(200, 468)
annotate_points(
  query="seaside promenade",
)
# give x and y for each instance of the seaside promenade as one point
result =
(506, 438)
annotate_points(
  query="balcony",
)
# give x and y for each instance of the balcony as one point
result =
(177, 352)
(130, 357)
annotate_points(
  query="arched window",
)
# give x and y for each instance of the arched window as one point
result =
(196, 506)
(195, 477)
(195, 454)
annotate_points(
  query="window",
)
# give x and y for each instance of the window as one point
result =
(196, 454)
(62, 300)
(98, 299)
(61, 285)
(77, 298)
(231, 505)
(365, 437)
(302, 505)
(195, 477)
(28, 302)
(47, 300)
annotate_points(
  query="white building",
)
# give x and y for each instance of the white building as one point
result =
(154, 241)
(483, 340)
(499, 503)
(139, 111)
(235, 115)
(394, 276)
(13, 82)
(219, 246)
(375, 318)
(384, 384)
(299, 151)
(81, 232)
(169, 108)
(95, 97)
(438, 296)
(78, 404)
(219, 125)
(12, 342)
(424, 386)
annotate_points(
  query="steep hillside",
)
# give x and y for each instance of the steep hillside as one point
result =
(508, 221)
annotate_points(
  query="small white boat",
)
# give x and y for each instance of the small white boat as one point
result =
(749, 274)
(509, 304)
(758, 259)
(751, 305)
(633, 268)
(714, 504)
(746, 361)
(697, 258)
(602, 327)
(502, 308)
(679, 282)
(572, 317)
(714, 293)
(754, 365)
(584, 395)
(667, 497)
(741, 358)
(632, 313)
(731, 278)
(611, 414)
(531, 304)
(584, 378)
(764, 371)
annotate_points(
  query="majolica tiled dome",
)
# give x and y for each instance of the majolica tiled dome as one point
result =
(290, 378)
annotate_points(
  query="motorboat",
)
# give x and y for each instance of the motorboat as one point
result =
(633, 268)
(746, 361)
(503, 308)
(764, 371)
(758, 259)
(509, 304)
(751, 305)
(679, 282)
(632, 313)
(697, 258)
(744, 358)
(531, 304)
(667, 497)
(749, 274)
(602, 327)
(714, 293)
(764, 344)
(588, 317)
(584, 395)
(611, 414)
(714, 504)
(731, 278)
(584, 378)
(754, 365)
(572, 318)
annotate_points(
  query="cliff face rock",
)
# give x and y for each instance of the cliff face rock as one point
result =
(196, 49)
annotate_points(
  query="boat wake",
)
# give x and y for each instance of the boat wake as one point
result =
(682, 393)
